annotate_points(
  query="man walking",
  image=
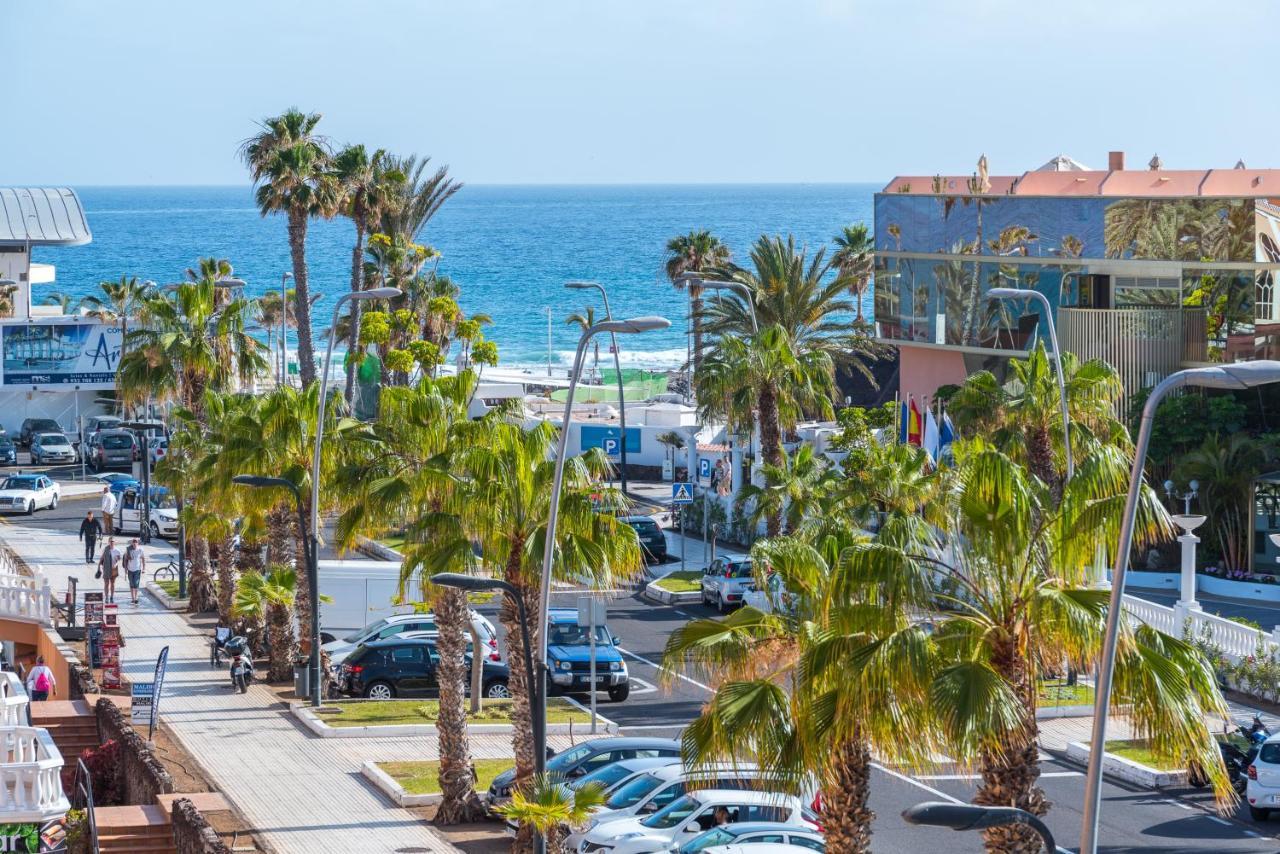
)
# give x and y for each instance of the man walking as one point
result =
(89, 531)
(135, 562)
(109, 569)
(40, 681)
(109, 505)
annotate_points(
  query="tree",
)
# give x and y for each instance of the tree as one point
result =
(673, 442)
(799, 490)
(120, 302)
(855, 261)
(553, 808)
(289, 164)
(270, 597)
(66, 303)
(420, 196)
(584, 321)
(696, 252)
(1226, 467)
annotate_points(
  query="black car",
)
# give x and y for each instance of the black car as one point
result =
(652, 540)
(8, 452)
(406, 667)
(32, 426)
(589, 756)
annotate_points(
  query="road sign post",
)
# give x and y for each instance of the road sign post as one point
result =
(681, 494)
(591, 613)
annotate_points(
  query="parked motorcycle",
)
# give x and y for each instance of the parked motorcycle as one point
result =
(1235, 760)
(218, 645)
(241, 663)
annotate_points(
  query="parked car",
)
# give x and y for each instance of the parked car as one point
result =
(406, 667)
(32, 426)
(652, 540)
(398, 624)
(690, 816)
(27, 493)
(725, 581)
(94, 423)
(755, 837)
(610, 777)
(770, 598)
(162, 518)
(569, 657)
(51, 448)
(1262, 790)
(158, 447)
(110, 449)
(110, 477)
(119, 487)
(8, 452)
(585, 757)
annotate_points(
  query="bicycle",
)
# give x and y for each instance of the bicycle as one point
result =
(168, 572)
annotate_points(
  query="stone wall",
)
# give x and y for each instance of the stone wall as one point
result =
(192, 833)
(142, 775)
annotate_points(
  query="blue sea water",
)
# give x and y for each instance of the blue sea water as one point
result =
(510, 248)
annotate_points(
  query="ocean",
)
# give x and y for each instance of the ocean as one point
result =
(509, 248)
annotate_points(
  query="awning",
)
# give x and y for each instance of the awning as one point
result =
(42, 216)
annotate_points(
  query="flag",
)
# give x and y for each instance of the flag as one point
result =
(931, 435)
(913, 424)
(946, 435)
(903, 418)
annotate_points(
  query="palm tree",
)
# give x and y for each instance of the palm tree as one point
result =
(855, 260)
(66, 303)
(419, 196)
(695, 252)
(289, 162)
(120, 302)
(553, 808)
(270, 597)
(799, 490)
(674, 442)
(584, 321)
(369, 189)
(1226, 468)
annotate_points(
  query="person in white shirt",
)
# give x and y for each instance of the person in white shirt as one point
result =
(135, 561)
(40, 681)
(109, 505)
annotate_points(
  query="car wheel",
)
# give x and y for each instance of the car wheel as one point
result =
(53, 505)
(497, 691)
(720, 606)
(155, 531)
(1258, 814)
(31, 506)
(618, 693)
(380, 691)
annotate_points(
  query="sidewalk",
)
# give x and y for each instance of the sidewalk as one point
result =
(303, 794)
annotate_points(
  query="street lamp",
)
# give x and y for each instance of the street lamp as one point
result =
(1193, 490)
(313, 585)
(973, 817)
(144, 524)
(1244, 375)
(722, 285)
(617, 366)
(1036, 296)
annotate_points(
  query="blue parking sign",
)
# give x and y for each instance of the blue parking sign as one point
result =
(610, 445)
(681, 493)
(704, 467)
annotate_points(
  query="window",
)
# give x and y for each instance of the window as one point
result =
(673, 814)
(664, 797)
(116, 443)
(760, 812)
(806, 842)
(407, 655)
(1270, 753)
(766, 837)
(607, 758)
(571, 634)
(632, 792)
(566, 760)
(710, 839)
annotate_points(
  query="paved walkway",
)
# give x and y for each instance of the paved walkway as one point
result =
(303, 794)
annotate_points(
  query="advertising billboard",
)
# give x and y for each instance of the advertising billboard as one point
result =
(60, 354)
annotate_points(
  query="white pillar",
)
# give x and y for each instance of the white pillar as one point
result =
(1188, 598)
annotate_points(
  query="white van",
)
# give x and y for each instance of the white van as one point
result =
(362, 592)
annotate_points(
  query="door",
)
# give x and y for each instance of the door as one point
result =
(412, 675)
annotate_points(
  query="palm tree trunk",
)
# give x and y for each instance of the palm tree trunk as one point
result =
(695, 320)
(846, 818)
(254, 628)
(1040, 459)
(459, 803)
(280, 540)
(1009, 775)
(521, 705)
(200, 585)
(770, 445)
(357, 284)
(282, 643)
(302, 593)
(301, 296)
(226, 581)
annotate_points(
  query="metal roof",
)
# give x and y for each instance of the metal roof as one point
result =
(42, 216)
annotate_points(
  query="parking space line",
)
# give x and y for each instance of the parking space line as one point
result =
(628, 652)
(1179, 804)
(1219, 820)
(979, 776)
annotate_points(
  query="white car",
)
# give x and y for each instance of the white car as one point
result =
(51, 448)
(162, 518)
(398, 624)
(1262, 790)
(755, 837)
(725, 581)
(772, 599)
(27, 493)
(761, 848)
(690, 816)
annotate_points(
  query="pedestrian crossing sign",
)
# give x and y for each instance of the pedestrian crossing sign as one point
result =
(681, 493)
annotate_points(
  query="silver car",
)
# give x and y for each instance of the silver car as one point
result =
(725, 582)
(51, 448)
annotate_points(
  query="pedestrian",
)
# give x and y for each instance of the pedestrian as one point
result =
(90, 528)
(109, 569)
(109, 505)
(40, 681)
(135, 562)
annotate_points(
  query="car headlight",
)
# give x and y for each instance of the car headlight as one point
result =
(615, 665)
(563, 665)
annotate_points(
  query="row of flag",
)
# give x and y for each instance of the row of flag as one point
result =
(925, 431)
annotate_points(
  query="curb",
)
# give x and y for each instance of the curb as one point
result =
(319, 728)
(654, 593)
(166, 601)
(1049, 713)
(1128, 770)
(377, 551)
(393, 790)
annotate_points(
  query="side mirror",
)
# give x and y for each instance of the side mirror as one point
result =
(616, 640)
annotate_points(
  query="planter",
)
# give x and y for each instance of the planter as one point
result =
(654, 593)
(377, 550)
(394, 790)
(1045, 713)
(1128, 770)
(170, 603)
(316, 724)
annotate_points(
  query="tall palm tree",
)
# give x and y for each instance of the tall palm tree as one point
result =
(1226, 468)
(584, 320)
(120, 302)
(855, 260)
(419, 197)
(289, 164)
(66, 303)
(369, 188)
(270, 597)
(695, 252)
(800, 490)
(554, 808)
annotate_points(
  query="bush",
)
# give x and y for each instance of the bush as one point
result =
(105, 766)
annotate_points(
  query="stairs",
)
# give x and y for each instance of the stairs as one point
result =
(134, 830)
(71, 723)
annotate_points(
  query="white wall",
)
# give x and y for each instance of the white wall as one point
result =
(18, 404)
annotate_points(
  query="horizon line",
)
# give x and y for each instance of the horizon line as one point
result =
(466, 184)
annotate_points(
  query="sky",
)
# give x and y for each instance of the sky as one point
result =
(647, 91)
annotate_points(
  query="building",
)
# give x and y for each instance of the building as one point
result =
(1150, 269)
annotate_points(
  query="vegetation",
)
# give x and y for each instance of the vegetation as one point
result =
(687, 581)
(423, 777)
(1141, 751)
(404, 712)
(553, 808)
(693, 253)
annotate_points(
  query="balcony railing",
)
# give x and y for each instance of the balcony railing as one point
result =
(30, 775)
(13, 700)
(24, 598)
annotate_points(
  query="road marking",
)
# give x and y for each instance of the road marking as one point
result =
(686, 614)
(645, 686)
(1179, 804)
(1219, 820)
(979, 776)
(665, 670)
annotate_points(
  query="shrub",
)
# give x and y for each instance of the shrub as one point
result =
(105, 766)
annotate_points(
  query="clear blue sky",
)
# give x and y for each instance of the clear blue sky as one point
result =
(161, 91)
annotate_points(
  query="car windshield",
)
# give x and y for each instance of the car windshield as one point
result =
(370, 629)
(43, 424)
(6, 442)
(674, 813)
(115, 443)
(630, 794)
(163, 501)
(645, 526)
(606, 776)
(571, 634)
(713, 837)
(19, 483)
(45, 441)
(566, 760)
(1270, 752)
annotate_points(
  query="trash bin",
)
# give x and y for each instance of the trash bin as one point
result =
(301, 680)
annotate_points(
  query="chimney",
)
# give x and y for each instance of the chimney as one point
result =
(1115, 161)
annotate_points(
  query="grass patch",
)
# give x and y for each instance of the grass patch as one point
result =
(1140, 752)
(169, 587)
(393, 541)
(404, 712)
(1055, 693)
(689, 581)
(422, 778)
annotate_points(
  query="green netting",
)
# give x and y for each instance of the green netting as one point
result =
(638, 384)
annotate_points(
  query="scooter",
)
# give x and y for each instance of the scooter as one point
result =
(1235, 760)
(241, 663)
(218, 645)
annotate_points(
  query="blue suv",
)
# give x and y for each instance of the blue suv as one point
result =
(569, 657)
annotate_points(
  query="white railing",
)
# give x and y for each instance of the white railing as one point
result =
(13, 700)
(30, 775)
(1235, 640)
(24, 598)
(1159, 617)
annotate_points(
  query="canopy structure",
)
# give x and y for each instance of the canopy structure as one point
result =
(42, 216)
